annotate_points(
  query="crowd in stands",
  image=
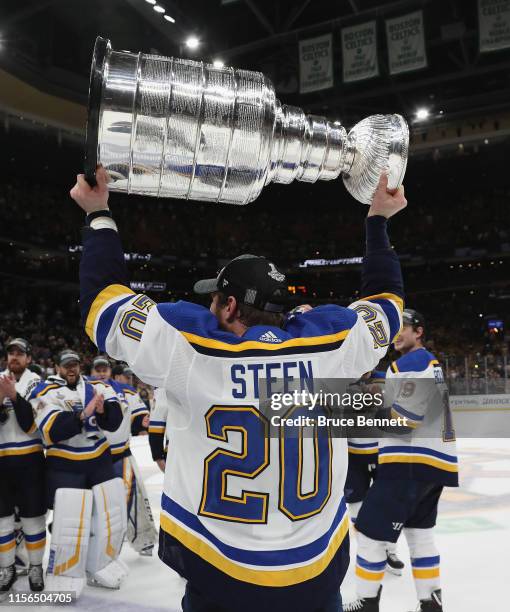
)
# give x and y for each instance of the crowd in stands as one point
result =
(451, 214)
(281, 226)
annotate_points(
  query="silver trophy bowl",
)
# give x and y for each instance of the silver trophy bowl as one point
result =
(176, 128)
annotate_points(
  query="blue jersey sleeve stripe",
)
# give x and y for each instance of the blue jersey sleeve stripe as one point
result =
(390, 310)
(107, 294)
(105, 322)
(45, 420)
(407, 413)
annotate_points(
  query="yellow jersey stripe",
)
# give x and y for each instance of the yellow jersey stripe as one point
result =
(268, 578)
(58, 452)
(437, 463)
(47, 427)
(363, 451)
(386, 296)
(46, 389)
(26, 450)
(255, 344)
(157, 430)
(409, 422)
(110, 292)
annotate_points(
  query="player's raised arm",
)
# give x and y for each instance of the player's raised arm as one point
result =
(115, 319)
(382, 287)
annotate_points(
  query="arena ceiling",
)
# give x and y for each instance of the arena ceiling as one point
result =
(49, 42)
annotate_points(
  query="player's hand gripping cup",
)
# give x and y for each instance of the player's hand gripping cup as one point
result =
(176, 128)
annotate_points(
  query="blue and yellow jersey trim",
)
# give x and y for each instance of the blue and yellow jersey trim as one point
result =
(415, 361)
(15, 449)
(256, 567)
(118, 448)
(42, 389)
(157, 427)
(362, 448)
(413, 419)
(323, 329)
(103, 310)
(418, 455)
(392, 306)
(112, 292)
(63, 451)
(138, 412)
(46, 424)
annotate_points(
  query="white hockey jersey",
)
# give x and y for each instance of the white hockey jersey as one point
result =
(160, 413)
(416, 390)
(14, 442)
(250, 506)
(132, 406)
(50, 399)
(159, 424)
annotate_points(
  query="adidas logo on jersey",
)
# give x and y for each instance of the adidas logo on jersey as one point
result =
(269, 337)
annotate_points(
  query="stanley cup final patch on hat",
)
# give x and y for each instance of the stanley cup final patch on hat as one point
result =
(274, 274)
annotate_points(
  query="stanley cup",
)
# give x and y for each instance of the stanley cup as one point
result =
(176, 128)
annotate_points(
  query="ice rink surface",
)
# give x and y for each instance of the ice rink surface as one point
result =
(473, 535)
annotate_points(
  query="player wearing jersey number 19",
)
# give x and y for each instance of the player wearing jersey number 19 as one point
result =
(241, 518)
(414, 466)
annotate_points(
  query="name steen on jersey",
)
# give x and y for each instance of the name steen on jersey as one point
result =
(276, 376)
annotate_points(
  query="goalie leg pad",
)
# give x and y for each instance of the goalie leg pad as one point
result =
(7, 541)
(35, 538)
(141, 529)
(69, 540)
(109, 520)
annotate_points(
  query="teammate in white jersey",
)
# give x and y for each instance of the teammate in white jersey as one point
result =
(141, 532)
(159, 428)
(413, 469)
(237, 521)
(22, 469)
(362, 469)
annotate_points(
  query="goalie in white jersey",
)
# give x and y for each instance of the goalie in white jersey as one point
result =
(235, 520)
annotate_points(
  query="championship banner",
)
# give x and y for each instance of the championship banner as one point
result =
(359, 46)
(316, 63)
(406, 43)
(494, 19)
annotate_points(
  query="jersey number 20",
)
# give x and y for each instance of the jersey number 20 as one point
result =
(253, 458)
